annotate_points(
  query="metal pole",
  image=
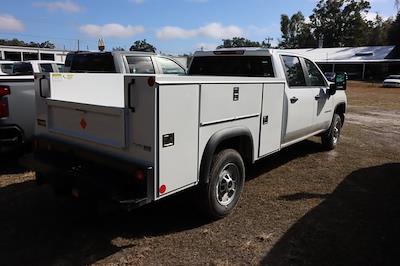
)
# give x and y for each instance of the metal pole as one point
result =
(363, 72)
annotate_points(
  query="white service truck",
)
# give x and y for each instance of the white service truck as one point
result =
(137, 139)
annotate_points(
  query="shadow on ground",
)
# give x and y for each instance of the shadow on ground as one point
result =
(38, 229)
(9, 165)
(358, 224)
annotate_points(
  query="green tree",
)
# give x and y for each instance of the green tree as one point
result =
(142, 45)
(393, 32)
(340, 22)
(118, 48)
(238, 42)
(296, 33)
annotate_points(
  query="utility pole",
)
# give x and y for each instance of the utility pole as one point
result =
(78, 46)
(269, 39)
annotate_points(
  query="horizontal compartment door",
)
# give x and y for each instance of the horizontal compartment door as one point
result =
(98, 124)
(221, 102)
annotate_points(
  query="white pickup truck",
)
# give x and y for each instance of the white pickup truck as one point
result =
(17, 106)
(137, 139)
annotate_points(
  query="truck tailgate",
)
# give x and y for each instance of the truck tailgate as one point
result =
(99, 124)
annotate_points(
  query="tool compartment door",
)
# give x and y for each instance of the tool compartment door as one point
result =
(177, 137)
(271, 118)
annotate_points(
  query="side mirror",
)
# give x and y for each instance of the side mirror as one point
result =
(332, 89)
(341, 81)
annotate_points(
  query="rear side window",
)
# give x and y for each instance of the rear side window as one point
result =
(46, 68)
(293, 71)
(140, 64)
(314, 75)
(90, 63)
(6, 68)
(22, 69)
(245, 66)
(170, 67)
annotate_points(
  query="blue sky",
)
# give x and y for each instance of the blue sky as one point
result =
(173, 26)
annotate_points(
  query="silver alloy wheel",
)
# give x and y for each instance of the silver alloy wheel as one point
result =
(336, 132)
(227, 184)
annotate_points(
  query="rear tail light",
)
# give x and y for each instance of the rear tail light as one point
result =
(4, 91)
(3, 108)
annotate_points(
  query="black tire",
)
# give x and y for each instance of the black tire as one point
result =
(331, 137)
(227, 174)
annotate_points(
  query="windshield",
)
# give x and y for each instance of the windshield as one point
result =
(90, 62)
(245, 66)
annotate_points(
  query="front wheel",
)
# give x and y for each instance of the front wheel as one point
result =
(225, 186)
(331, 137)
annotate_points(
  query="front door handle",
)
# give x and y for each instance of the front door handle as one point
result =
(293, 100)
(317, 97)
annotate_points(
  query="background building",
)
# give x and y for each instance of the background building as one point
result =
(17, 53)
(362, 63)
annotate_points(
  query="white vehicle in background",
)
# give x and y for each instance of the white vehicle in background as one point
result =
(6, 67)
(17, 118)
(136, 139)
(392, 81)
(36, 66)
(17, 102)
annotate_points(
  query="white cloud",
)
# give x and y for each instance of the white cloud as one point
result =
(10, 23)
(212, 30)
(67, 6)
(111, 30)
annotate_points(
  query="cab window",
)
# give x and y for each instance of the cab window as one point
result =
(46, 68)
(314, 75)
(170, 67)
(140, 64)
(293, 71)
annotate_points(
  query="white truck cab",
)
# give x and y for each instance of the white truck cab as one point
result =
(138, 138)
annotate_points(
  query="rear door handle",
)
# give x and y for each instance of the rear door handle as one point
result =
(293, 100)
(317, 97)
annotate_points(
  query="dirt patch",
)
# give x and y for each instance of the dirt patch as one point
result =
(303, 206)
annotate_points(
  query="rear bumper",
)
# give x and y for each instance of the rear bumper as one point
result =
(79, 172)
(11, 137)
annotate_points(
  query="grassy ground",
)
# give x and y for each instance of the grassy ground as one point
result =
(303, 206)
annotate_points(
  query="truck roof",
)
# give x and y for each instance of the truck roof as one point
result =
(250, 51)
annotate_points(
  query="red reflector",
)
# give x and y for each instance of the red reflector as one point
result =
(4, 91)
(83, 123)
(3, 108)
(163, 188)
(139, 175)
(151, 81)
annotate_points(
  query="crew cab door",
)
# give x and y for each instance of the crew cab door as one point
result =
(299, 100)
(323, 101)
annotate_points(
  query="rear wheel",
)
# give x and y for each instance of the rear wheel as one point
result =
(331, 137)
(223, 190)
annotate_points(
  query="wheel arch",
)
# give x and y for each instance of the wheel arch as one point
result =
(340, 109)
(238, 138)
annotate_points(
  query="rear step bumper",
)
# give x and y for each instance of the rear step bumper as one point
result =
(11, 137)
(73, 176)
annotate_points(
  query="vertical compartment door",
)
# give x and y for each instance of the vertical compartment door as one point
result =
(271, 119)
(178, 137)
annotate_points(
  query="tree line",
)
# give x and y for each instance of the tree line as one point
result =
(16, 42)
(338, 23)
